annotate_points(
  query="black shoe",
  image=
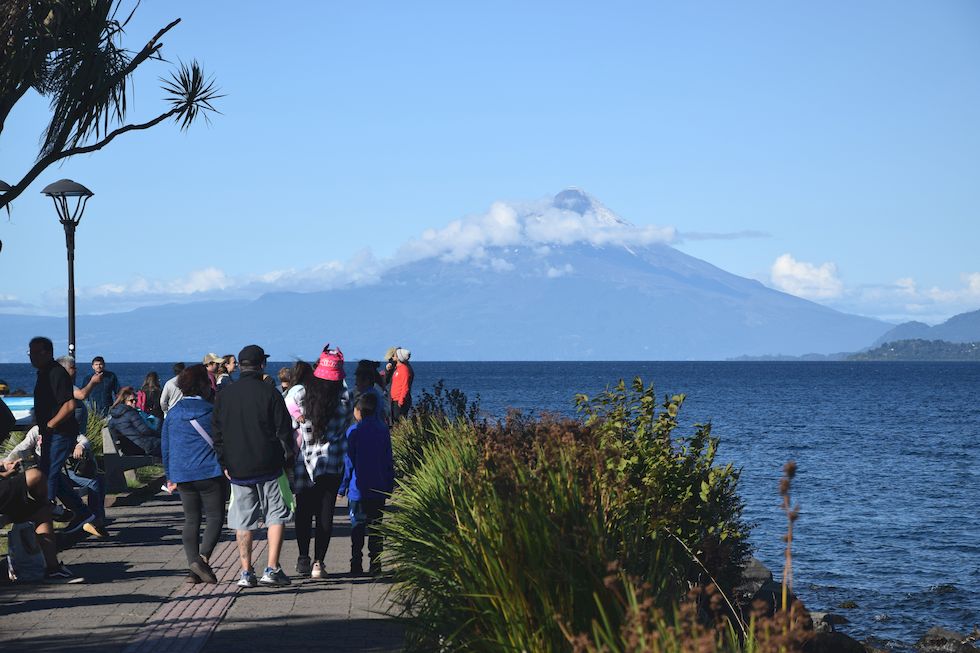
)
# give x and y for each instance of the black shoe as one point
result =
(375, 569)
(63, 515)
(356, 569)
(77, 522)
(203, 571)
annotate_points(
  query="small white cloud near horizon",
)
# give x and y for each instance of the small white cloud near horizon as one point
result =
(806, 279)
(560, 271)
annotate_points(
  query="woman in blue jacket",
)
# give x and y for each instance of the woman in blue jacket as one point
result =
(126, 420)
(192, 468)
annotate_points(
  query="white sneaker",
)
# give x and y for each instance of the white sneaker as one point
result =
(317, 571)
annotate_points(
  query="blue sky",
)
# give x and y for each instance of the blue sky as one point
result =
(828, 149)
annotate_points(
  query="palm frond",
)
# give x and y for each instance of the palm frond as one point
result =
(191, 92)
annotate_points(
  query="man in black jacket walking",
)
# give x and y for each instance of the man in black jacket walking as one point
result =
(253, 441)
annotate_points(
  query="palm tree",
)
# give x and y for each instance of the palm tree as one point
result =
(70, 52)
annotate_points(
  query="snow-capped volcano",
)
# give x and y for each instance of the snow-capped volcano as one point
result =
(578, 201)
(564, 278)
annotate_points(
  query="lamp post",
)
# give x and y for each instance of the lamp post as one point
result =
(69, 217)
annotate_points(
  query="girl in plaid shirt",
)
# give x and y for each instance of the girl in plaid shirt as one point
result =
(321, 408)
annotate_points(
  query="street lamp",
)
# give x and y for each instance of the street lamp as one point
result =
(69, 217)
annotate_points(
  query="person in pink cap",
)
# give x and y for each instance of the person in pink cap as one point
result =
(320, 405)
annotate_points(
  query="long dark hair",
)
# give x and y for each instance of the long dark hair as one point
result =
(322, 398)
(151, 382)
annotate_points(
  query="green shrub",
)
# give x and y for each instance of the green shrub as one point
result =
(644, 628)
(502, 534)
(664, 497)
(93, 429)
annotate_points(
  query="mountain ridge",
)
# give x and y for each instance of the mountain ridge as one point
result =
(608, 291)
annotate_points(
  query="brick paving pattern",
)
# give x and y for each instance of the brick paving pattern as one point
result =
(134, 597)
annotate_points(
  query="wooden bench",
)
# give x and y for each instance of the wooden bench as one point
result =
(120, 467)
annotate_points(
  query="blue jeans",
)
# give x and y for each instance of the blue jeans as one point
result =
(58, 484)
(95, 488)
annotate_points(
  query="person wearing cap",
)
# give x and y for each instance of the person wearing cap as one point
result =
(401, 385)
(320, 403)
(252, 435)
(212, 363)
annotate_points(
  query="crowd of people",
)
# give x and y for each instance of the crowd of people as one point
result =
(250, 452)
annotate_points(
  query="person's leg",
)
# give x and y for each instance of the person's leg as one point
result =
(375, 511)
(95, 492)
(305, 503)
(276, 536)
(244, 539)
(275, 514)
(357, 525)
(37, 488)
(328, 485)
(244, 513)
(213, 498)
(190, 499)
(58, 485)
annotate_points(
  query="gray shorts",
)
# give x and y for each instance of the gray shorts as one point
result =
(251, 504)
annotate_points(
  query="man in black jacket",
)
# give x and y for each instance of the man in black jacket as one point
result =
(253, 439)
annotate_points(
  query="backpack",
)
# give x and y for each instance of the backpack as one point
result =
(141, 400)
(25, 562)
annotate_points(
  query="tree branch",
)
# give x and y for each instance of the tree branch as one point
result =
(46, 161)
(148, 50)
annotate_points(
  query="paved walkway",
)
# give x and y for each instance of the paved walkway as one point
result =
(134, 599)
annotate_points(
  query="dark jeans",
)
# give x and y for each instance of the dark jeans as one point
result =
(144, 444)
(58, 484)
(318, 501)
(95, 488)
(208, 494)
(398, 411)
(365, 515)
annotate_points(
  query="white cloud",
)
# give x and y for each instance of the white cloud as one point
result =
(904, 300)
(537, 225)
(806, 279)
(561, 271)
(500, 265)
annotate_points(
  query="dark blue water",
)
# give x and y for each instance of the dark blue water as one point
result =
(889, 469)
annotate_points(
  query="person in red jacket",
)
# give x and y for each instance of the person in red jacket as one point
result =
(401, 385)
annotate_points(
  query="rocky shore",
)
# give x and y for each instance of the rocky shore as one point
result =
(758, 584)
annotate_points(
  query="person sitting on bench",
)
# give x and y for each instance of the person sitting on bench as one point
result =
(24, 497)
(136, 436)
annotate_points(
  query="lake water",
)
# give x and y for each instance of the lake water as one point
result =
(889, 469)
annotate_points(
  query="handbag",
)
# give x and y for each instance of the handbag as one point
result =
(84, 467)
(25, 562)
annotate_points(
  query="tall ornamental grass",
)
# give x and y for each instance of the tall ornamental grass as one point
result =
(503, 535)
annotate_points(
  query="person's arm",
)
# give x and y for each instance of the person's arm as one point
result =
(66, 409)
(25, 447)
(139, 425)
(7, 420)
(284, 427)
(81, 446)
(216, 434)
(113, 387)
(348, 461)
(390, 464)
(89, 383)
(165, 444)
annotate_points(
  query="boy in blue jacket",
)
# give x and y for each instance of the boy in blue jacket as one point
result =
(369, 477)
